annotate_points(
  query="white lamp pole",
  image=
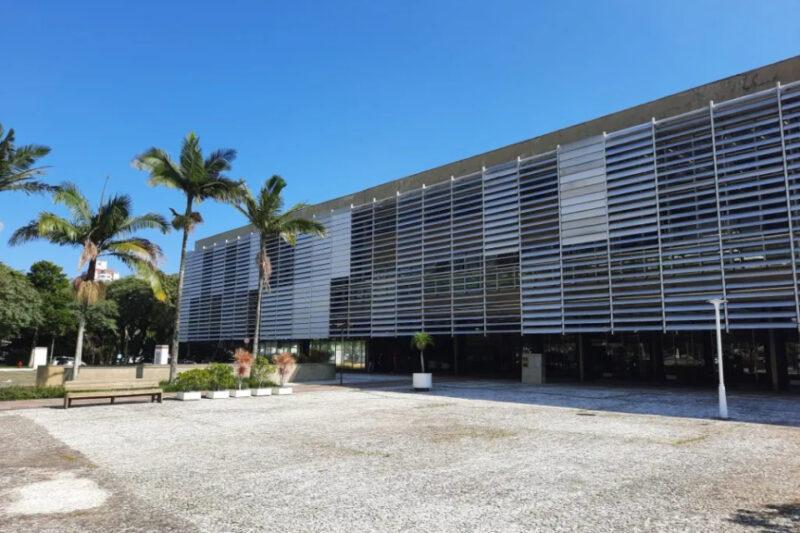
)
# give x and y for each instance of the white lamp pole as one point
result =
(723, 400)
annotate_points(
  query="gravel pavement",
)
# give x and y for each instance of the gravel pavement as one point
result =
(466, 458)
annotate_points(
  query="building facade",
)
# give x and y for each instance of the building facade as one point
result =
(600, 252)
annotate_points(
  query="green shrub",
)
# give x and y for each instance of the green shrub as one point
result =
(260, 372)
(30, 393)
(220, 376)
(254, 383)
(192, 380)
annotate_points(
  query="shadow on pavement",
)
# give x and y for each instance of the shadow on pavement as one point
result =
(751, 407)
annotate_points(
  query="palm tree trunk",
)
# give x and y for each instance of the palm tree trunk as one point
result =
(422, 361)
(79, 343)
(173, 363)
(259, 297)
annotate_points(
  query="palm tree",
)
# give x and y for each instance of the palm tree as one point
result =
(265, 213)
(107, 232)
(16, 165)
(420, 341)
(199, 179)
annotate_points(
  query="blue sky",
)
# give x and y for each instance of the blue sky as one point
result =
(339, 96)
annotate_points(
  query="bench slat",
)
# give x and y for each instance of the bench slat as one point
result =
(105, 385)
(109, 393)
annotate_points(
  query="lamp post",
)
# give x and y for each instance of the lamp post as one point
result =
(723, 400)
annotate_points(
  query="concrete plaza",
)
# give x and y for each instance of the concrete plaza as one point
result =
(470, 456)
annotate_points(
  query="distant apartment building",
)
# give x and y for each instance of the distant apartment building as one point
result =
(598, 245)
(103, 273)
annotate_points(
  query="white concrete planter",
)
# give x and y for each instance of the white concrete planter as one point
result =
(240, 393)
(261, 392)
(217, 394)
(422, 381)
(189, 395)
(281, 390)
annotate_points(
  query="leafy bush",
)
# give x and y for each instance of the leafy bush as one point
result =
(220, 376)
(191, 380)
(261, 371)
(30, 393)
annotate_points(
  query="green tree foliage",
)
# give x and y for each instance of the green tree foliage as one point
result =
(110, 230)
(21, 304)
(198, 178)
(55, 291)
(265, 213)
(100, 336)
(420, 341)
(142, 320)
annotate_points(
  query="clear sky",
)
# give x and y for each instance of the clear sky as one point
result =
(339, 96)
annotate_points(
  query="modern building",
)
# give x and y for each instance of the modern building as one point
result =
(597, 245)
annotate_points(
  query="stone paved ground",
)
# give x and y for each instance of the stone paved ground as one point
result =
(472, 456)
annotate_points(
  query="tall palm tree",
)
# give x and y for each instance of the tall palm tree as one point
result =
(265, 213)
(110, 231)
(199, 179)
(16, 165)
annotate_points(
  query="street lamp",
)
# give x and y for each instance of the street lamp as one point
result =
(723, 401)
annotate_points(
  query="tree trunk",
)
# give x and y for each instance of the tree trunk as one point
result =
(52, 347)
(79, 344)
(264, 272)
(259, 297)
(422, 361)
(173, 363)
(33, 346)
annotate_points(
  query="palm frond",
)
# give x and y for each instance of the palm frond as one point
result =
(137, 247)
(162, 169)
(146, 221)
(219, 161)
(49, 227)
(73, 199)
(89, 253)
(185, 222)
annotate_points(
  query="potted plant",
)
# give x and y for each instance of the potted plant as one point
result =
(220, 381)
(259, 376)
(242, 362)
(190, 383)
(422, 380)
(285, 363)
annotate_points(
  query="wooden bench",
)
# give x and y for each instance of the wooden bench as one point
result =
(83, 390)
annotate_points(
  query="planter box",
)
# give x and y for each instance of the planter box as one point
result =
(189, 395)
(217, 394)
(240, 393)
(281, 390)
(261, 392)
(422, 381)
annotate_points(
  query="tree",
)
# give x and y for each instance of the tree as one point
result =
(101, 331)
(199, 179)
(54, 290)
(142, 319)
(420, 341)
(109, 231)
(135, 302)
(17, 170)
(265, 213)
(21, 304)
